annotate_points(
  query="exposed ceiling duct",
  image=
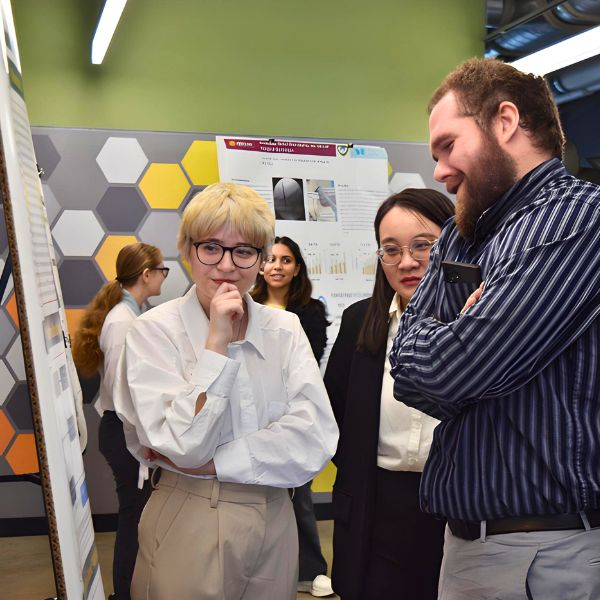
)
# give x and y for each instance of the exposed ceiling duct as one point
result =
(519, 27)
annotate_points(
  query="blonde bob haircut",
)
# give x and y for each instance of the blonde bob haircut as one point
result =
(221, 204)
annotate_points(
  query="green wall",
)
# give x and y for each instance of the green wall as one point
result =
(316, 68)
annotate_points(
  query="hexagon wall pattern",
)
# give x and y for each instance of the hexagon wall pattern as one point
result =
(102, 189)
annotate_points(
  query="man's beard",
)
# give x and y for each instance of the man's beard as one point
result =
(493, 175)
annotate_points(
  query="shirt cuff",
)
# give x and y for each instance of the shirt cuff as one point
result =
(233, 464)
(214, 372)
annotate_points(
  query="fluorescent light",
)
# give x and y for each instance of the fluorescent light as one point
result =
(109, 19)
(561, 55)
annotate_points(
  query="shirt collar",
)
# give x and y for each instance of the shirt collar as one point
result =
(395, 307)
(128, 299)
(518, 196)
(254, 332)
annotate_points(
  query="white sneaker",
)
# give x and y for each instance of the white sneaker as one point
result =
(319, 587)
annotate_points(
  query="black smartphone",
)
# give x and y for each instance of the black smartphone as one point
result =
(457, 272)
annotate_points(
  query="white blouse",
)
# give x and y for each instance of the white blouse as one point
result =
(405, 433)
(111, 341)
(267, 418)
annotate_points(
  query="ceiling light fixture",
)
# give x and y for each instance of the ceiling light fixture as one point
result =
(558, 56)
(109, 19)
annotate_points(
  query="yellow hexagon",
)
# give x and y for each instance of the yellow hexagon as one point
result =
(164, 185)
(7, 432)
(22, 456)
(200, 162)
(106, 257)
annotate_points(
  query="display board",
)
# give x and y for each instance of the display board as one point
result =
(44, 338)
(107, 188)
(324, 196)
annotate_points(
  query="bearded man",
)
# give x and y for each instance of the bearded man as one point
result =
(513, 375)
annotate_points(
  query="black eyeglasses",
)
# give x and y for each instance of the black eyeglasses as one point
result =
(391, 254)
(243, 256)
(165, 270)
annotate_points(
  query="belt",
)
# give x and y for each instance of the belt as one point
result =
(471, 530)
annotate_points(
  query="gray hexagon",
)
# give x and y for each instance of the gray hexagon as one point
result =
(160, 229)
(6, 382)
(80, 280)
(122, 209)
(46, 155)
(77, 233)
(161, 148)
(5, 468)
(83, 185)
(7, 331)
(52, 206)
(14, 359)
(18, 407)
(174, 286)
(122, 160)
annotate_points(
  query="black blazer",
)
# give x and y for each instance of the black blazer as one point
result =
(353, 380)
(313, 319)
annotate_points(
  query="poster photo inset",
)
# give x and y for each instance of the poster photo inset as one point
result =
(288, 199)
(321, 200)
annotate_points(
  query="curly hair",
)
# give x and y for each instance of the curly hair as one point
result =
(481, 84)
(132, 261)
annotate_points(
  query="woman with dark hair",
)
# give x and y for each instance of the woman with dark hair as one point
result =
(97, 347)
(383, 545)
(283, 282)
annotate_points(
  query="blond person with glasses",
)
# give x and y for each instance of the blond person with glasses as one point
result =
(225, 395)
(383, 545)
(96, 349)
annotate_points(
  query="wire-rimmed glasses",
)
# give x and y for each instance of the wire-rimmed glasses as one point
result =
(391, 254)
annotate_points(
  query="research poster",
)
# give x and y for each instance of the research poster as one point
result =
(325, 197)
(45, 341)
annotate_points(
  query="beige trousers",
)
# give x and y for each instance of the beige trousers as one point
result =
(205, 540)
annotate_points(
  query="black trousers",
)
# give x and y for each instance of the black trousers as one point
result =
(407, 544)
(125, 470)
(311, 558)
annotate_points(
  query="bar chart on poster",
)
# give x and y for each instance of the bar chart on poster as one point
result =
(42, 322)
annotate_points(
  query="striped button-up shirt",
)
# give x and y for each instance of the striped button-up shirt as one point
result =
(516, 379)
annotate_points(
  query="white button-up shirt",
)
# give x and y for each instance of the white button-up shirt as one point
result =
(405, 433)
(267, 418)
(111, 341)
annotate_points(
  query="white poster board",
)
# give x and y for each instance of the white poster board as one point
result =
(325, 197)
(44, 338)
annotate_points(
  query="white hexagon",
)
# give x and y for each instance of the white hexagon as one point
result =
(122, 160)
(14, 358)
(6, 382)
(174, 286)
(401, 181)
(78, 233)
